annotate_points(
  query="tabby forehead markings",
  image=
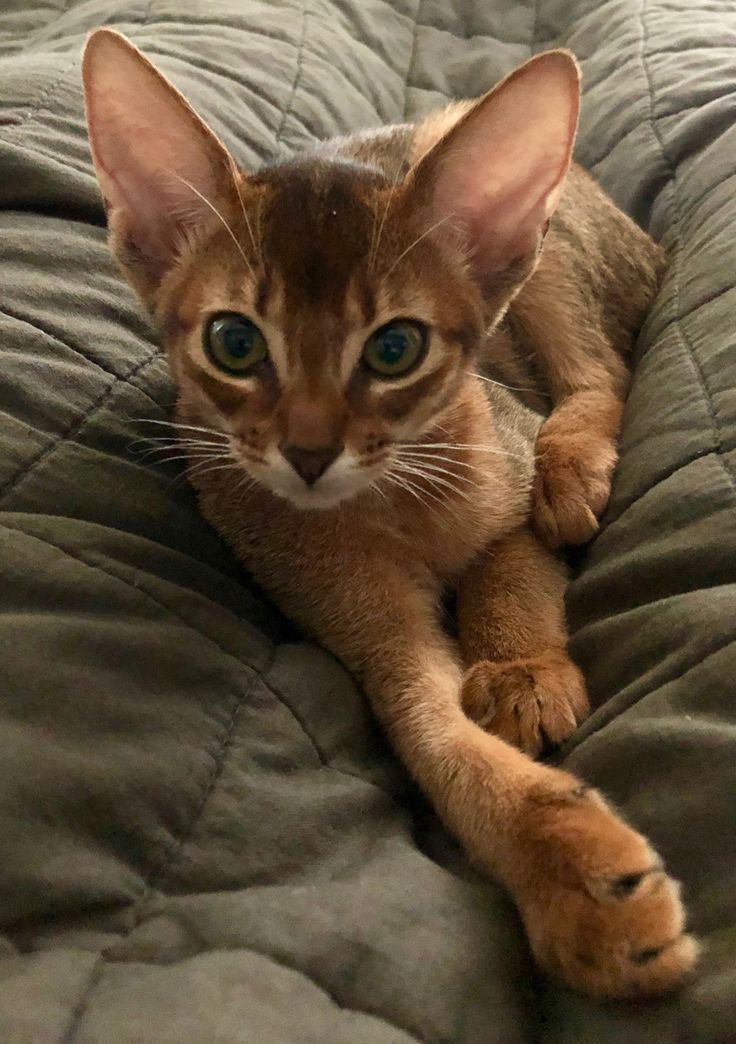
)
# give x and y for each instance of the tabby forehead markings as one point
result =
(317, 226)
(269, 317)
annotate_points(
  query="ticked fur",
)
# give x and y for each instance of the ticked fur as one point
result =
(531, 285)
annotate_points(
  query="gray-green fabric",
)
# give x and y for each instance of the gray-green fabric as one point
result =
(202, 836)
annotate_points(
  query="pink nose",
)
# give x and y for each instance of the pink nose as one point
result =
(311, 464)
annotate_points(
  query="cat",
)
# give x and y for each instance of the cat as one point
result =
(403, 355)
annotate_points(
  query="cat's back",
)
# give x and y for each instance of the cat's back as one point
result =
(594, 249)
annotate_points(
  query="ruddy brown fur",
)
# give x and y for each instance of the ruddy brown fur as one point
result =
(533, 287)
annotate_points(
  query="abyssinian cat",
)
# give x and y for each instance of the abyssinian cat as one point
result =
(342, 329)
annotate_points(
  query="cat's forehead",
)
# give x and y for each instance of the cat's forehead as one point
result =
(317, 225)
(319, 242)
(314, 186)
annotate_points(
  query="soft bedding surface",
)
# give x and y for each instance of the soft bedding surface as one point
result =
(202, 836)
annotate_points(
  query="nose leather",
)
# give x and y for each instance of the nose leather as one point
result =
(310, 464)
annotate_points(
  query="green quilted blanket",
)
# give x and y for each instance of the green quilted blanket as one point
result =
(202, 836)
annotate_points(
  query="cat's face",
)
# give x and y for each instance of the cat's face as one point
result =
(322, 349)
(321, 313)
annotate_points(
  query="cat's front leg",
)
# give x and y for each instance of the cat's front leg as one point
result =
(576, 453)
(598, 908)
(580, 313)
(520, 682)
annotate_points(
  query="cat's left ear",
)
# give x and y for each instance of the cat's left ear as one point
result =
(161, 170)
(498, 173)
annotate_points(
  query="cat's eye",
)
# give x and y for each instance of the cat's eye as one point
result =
(234, 344)
(396, 348)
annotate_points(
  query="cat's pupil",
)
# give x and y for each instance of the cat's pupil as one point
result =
(393, 346)
(238, 342)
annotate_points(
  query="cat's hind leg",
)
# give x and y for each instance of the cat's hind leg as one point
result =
(520, 682)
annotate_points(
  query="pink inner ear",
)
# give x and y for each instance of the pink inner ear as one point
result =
(502, 169)
(505, 227)
(155, 160)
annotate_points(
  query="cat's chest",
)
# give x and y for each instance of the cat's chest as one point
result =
(416, 528)
(448, 534)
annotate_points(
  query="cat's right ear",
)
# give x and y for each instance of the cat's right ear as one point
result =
(163, 174)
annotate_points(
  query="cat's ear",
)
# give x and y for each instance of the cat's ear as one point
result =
(161, 170)
(499, 171)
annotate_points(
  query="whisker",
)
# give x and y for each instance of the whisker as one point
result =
(190, 447)
(463, 446)
(167, 441)
(429, 465)
(376, 239)
(215, 211)
(436, 480)
(243, 485)
(500, 384)
(179, 481)
(212, 468)
(236, 181)
(376, 488)
(178, 424)
(259, 227)
(394, 474)
(153, 457)
(447, 506)
(418, 240)
(204, 457)
(152, 420)
(420, 455)
(420, 473)
(167, 446)
(177, 439)
(404, 485)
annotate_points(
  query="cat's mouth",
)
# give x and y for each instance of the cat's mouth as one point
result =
(308, 483)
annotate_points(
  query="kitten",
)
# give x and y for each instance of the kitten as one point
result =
(336, 326)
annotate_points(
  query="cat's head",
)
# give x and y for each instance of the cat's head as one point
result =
(324, 311)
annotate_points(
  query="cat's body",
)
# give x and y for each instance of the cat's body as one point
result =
(335, 348)
(602, 270)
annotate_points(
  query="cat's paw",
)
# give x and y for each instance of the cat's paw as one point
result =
(572, 484)
(531, 703)
(600, 911)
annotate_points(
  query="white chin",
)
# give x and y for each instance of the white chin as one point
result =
(322, 496)
(316, 500)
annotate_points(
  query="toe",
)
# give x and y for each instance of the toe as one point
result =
(612, 889)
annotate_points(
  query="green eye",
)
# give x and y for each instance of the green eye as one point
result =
(396, 348)
(235, 344)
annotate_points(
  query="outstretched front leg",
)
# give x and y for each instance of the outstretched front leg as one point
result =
(592, 893)
(599, 910)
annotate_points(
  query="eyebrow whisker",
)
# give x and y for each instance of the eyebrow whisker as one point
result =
(215, 211)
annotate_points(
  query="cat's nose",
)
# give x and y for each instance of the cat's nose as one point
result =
(311, 463)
